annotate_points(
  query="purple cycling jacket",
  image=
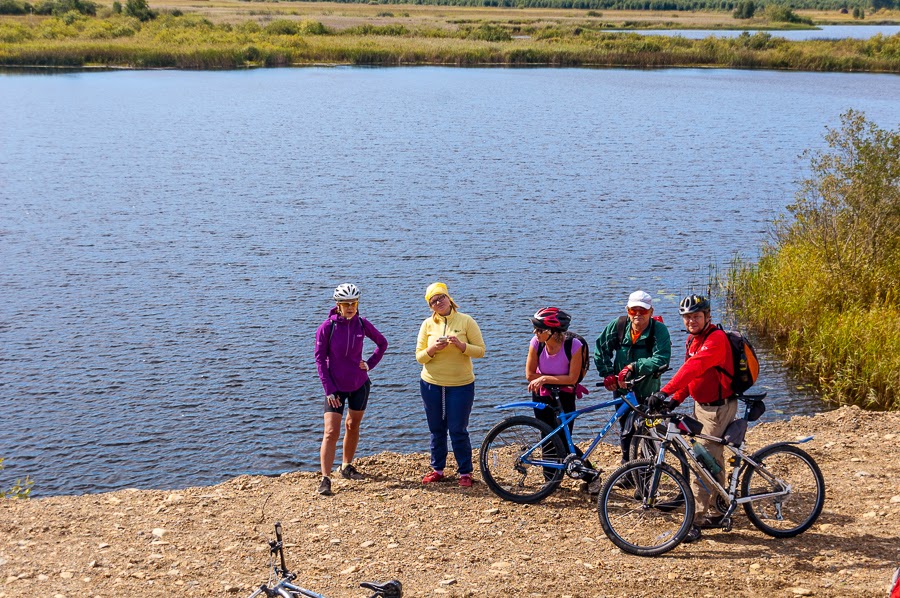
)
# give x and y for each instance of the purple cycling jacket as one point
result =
(339, 347)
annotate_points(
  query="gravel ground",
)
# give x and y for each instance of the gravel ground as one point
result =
(443, 540)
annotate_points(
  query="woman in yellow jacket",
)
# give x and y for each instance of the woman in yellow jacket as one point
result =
(448, 341)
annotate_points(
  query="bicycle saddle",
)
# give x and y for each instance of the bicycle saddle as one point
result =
(391, 589)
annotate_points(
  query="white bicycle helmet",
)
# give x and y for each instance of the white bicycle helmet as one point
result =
(346, 292)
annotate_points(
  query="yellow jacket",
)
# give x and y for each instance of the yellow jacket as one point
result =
(450, 367)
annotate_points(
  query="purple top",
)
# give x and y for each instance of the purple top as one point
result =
(554, 365)
(339, 346)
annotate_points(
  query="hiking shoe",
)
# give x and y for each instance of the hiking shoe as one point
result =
(693, 535)
(350, 473)
(325, 487)
(465, 480)
(710, 522)
(594, 485)
(432, 476)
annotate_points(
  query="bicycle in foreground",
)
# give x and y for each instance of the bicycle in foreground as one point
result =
(524, 460)
(280, 579)
(646, 507)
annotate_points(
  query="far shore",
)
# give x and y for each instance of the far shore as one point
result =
(233, 35)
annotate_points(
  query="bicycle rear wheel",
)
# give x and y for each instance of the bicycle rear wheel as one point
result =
(509, 472)
(641, 524)
(784, 466)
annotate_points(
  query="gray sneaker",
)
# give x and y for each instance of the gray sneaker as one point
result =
(325, 487)
(350, 473)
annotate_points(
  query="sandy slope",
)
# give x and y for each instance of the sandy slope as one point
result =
(442, 540)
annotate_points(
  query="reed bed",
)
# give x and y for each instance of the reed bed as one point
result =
(193, 42)
(827, 291)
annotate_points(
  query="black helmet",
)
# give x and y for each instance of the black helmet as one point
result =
(692, 304)
(551, 318)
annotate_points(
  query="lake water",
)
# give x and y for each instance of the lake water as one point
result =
(823, 32)
(169, 240)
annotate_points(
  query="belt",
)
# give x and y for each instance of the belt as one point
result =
(719, 403)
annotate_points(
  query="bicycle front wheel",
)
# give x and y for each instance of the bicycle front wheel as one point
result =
(785, 468)
(643, 446)
(508, 459)
(644, 522)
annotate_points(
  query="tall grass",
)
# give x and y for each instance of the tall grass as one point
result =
(190, 41)
(827, 291)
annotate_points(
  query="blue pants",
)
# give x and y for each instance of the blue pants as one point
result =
(447, 409)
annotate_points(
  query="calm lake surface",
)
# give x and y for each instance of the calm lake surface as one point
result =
(169, 240)
(823, 32)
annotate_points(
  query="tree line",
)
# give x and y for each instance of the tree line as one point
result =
(714, 5)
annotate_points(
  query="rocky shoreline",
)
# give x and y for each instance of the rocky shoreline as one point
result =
(443, 540)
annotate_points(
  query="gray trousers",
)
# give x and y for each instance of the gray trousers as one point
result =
(714, 420)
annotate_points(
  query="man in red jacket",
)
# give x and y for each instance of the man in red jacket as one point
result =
(705, 376)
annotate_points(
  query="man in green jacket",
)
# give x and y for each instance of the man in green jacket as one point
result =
(629, 347)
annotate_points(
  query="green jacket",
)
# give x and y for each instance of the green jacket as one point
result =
(610, 360)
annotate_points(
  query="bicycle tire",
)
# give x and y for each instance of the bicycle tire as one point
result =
(799, 509)
(645, 527)
(502, 468)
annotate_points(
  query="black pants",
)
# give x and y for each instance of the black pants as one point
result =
(548, 416)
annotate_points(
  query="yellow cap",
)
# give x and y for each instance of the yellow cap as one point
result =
(437, 288)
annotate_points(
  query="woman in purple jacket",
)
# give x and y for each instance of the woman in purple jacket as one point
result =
(345, 378)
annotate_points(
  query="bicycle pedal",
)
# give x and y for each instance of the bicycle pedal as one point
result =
(727, 524)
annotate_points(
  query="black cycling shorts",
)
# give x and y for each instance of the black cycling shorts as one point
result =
(358, 399)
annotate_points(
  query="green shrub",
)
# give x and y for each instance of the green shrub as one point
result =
(283, 27)
(313, 28)
(369, 29)
(61, 7)
(489, 32)
(828, 290)
(744, 10)
(14, 7)
(783, 14)
(139, 9)
(14, 33)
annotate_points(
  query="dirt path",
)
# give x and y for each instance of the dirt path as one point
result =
(442, 540)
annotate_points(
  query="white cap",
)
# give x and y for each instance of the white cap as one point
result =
(640, 299)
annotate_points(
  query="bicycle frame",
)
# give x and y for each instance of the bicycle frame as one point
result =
(622, 405)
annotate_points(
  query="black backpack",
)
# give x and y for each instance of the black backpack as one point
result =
(567, 347)
(622, 327)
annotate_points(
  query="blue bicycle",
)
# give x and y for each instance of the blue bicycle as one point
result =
(523, 460)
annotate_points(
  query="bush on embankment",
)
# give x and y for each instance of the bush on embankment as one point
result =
(827, 291)
(190, 41)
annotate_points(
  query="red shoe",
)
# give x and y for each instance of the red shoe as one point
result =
(432, 477)
(465, 480)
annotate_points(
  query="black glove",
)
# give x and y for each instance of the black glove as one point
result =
(657, 400)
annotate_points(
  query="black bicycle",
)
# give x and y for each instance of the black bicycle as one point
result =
(280, 579)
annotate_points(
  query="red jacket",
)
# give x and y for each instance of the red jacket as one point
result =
(699, 376)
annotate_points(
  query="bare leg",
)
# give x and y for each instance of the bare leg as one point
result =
(329, 442)
(351, 434)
